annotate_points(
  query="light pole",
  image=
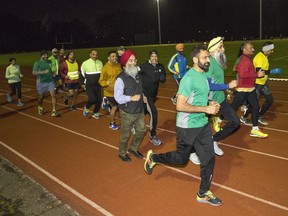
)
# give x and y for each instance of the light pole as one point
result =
(159, 25)
(260, 18)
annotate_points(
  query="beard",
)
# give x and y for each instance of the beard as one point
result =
(131, 70)
(204, 67)
(221, 59)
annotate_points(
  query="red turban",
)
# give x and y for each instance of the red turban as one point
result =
(125, 57)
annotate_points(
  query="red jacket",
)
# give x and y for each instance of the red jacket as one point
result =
(246, 72)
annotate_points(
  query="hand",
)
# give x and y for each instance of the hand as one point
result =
(46, 71)
(135, 97)
(233, 84)
(21, 75)
(213, 108)
(145, 99)
(108, 82)
(261, 73)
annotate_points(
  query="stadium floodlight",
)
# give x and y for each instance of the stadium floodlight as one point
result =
(159, 23)
(260, 20)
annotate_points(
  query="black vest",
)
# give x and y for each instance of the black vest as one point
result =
(132, 87)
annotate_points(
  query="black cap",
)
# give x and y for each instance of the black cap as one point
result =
(153, 51)
(121, 48)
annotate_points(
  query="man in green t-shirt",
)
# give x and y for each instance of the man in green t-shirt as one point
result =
(215, 76)
(192, 128)
(45, 82)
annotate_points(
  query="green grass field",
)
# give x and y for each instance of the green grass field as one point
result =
(278, 60)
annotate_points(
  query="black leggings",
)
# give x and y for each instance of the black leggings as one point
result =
(188, 138)
(251, 99)
(13, 87)
(94, 97)
(151, 109)
(265, 91)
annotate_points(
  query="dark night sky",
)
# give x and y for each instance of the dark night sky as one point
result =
(181, 20)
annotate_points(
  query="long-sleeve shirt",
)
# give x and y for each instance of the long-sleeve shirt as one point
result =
(109, 72)
(91, 70)
(54, 64)
(151, 75)
(246, 74)
(215, 76)
(13, 73)
(119, 92)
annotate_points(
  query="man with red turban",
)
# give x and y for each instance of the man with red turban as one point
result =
(128, 94)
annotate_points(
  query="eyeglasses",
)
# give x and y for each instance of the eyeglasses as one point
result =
(132, 60)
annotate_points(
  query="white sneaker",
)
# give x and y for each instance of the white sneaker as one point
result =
(217, 150)
(194, 158)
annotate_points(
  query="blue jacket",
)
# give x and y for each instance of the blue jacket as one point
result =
(178, 65)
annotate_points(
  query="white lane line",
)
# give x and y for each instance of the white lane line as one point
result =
(171, 168)
(58, 181)
(253, 151)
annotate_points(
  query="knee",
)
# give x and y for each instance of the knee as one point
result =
(207, 159)
(269, 99)
(235, 123)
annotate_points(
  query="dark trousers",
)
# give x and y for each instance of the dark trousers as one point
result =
(127, 122)
(188, 138)
(94, 97)
(151, 109)
(232, 124)
(251, 99)
(14, 87)
(265, 91)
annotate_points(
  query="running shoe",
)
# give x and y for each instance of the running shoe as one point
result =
(85, 111)
(9, 98)
(216, 124)
(72, 108)
(194, 158)
(155, 140)
(104, 103)
(245, 121)
(149, 163)
(208, 197)
(217, 150)
(20, 104)
(54, 113)
(65, 100)
(96, 115)
(262, 121)
(40, 110)
(113, 126)
(174, 100)
(109, 108)
(258, 133)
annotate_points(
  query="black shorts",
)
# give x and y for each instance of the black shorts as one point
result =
(72, 86)
(112, 101)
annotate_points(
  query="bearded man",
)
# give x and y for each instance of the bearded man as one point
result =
(192, 127)
(215, 76)
(128, 94)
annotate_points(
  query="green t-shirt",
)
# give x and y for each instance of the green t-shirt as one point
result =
(42, 65)
(194, 86)
(216, 73)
